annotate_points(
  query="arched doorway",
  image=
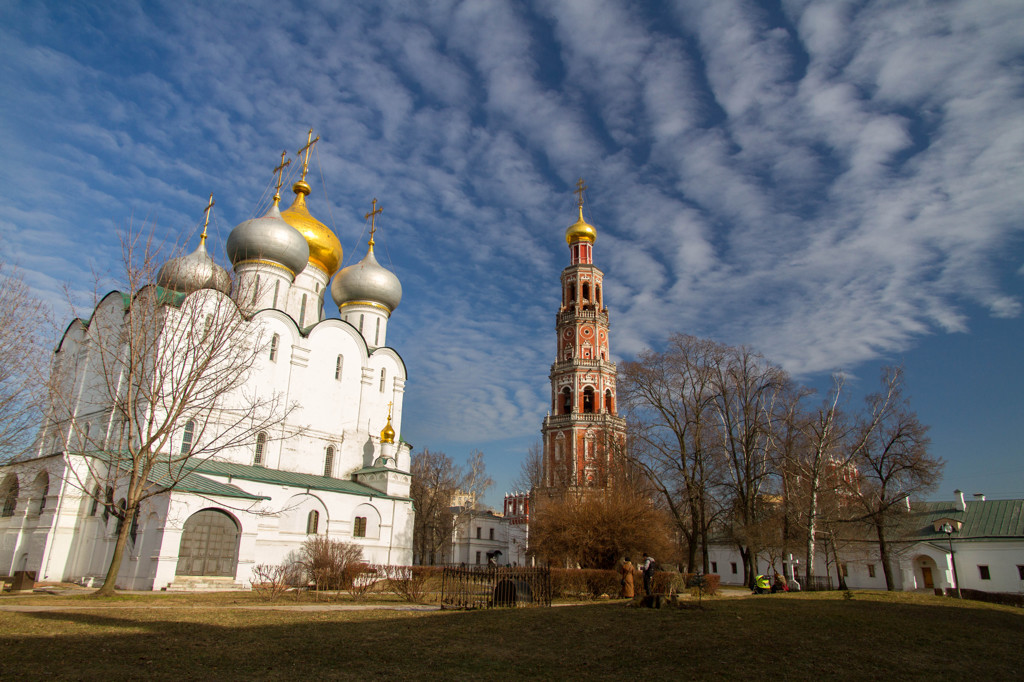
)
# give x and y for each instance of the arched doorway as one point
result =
(209, 545)
(926, 571)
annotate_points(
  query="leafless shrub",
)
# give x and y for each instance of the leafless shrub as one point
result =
(330, 564)
(269, 581)
(409, 582)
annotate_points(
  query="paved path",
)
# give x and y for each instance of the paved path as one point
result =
(39, 608)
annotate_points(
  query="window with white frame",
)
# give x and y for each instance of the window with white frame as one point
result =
(275, 340)
(188, 436)
(339, 364)
(261, 446)
(329, 461)
(313, 523)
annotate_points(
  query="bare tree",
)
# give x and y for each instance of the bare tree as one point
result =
(669, 400)
(151, 385)
(531, 472)
(436, 482)
(24, 332)
(892, 464)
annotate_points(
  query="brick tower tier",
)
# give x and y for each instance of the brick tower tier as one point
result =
(583, 437)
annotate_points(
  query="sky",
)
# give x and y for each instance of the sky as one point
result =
(837, 184)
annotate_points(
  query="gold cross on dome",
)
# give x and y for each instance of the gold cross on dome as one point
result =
(372, 217)
(580, 188)
(206, 224)
(280, 176)
(310, 141)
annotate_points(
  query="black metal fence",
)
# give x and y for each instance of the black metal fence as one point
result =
(484, 587)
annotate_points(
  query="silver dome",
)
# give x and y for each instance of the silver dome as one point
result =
(193, 272)
(367, 281)
(269, 238)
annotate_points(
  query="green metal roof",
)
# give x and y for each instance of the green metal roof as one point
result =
(983, 519)
(289, 478)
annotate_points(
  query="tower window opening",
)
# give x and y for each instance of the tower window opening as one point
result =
(338, 365)
(313, 523)
(256, 290)
(329, 461)
(188, 436)
(361, 319)
(383, 378)
(566, 401)
(261, 444)
(608, 400)
(302, 312)
(376, 338)
(588, 400)
(277, 290)
(586, 293)
(274, 341)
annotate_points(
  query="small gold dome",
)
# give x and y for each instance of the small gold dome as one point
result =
(324, 247)
(580, 231)
(388, 434)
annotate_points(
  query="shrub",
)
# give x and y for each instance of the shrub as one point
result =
(409, 582)
(331, 564)
(269, 581)
(583, 583)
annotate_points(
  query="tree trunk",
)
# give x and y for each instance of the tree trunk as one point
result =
(883, 555)
(110, 581)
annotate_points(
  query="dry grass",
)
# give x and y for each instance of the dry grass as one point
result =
(874, 635)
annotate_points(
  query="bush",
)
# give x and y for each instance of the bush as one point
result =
(583, 583)
(269, 581)
(409, 582)
(331, 564)
(1005, 598)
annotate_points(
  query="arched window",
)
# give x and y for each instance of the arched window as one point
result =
(376, 338)
(85, 437)
(44, 489)
(566, 401)
(338, 364)
(359, 527)
(586, 291)
(256, 290)
(207, 325)
(188, 436)
(608, 401)
(261, 445)
(108, 504)
(302, 312)
(329, 461)
(313, 523)
(133, 531)
(361, 319)
(597, 295)
(121, 512)
(10, 495)
(588, 400)
(95, 501)
(277, 290)
(383, 378)
(275, 340)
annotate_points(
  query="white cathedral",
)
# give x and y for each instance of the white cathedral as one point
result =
(331, 466)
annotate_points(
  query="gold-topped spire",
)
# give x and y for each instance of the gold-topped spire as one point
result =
(580, 188)
(372, 217)
(387, 435)
(324, 248)
(206, 223)
(280, 177)
(580, 230)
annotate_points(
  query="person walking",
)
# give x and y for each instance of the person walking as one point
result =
(627, 569)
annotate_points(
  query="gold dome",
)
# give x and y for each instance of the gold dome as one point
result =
(580, 231)
(324, 247)
(387, 435)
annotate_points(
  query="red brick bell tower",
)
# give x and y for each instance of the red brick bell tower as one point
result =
(583, 436)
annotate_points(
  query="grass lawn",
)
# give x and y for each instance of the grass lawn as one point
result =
(873, 635)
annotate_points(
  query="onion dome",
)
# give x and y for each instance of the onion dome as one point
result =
(367, 282)
(324, 248)
(269, 238)
(580, 231)
(195, 271)
(387, 435)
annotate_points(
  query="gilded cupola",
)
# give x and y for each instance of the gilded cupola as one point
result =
(324, 247)
(581, 230)
(195, 271)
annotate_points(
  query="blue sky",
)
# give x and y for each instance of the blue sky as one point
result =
(837, 184)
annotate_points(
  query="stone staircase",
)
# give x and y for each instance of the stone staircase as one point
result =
(204, 584)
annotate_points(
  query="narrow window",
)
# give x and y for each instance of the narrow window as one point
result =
(491, 534)
(588, 400)
(361, 319)
(85, 436)
(302, 312)
(274, 341)
(108, 504)
(45, 492)
(985, 575)
(11, 497)
(566, 400)
(187, 436)
(478, 533)
(376, 338)
(261, 444)
(732, 565)
(133, 531)
(845, 569)
(383, 377)
(318, 287)
(1020, 571)
(313, 523)
(714, 567)
(277, 290)
(586, 292)
(478, 557)
(337, 368)
(607, 397)
(329, 461)
(597, 294)
(121, 513)
(256, 290)
(871, 570)
(95, 501)
(359, 529)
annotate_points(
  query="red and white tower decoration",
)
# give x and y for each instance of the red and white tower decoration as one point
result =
(583, 437)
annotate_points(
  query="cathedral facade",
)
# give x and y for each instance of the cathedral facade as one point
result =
(582, 434)
(333, 465)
